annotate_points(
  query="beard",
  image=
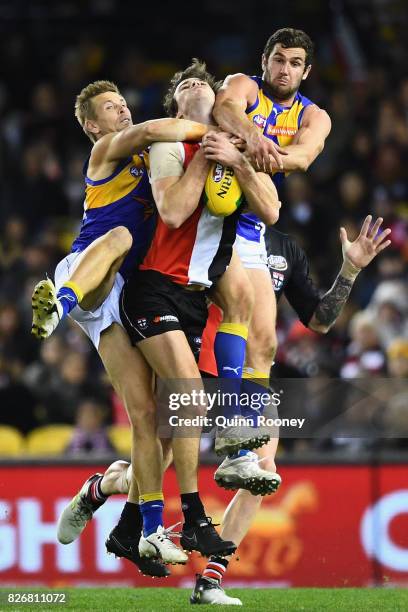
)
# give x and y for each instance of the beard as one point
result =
(282, 92)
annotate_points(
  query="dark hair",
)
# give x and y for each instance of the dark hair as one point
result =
(197, 70)
(289, 38)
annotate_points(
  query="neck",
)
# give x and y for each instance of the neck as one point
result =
(199, 113)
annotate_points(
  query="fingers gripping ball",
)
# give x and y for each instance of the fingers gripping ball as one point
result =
(223, 194)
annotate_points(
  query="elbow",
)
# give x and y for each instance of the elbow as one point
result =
(319, 328)
(172, 221)
(273, 217)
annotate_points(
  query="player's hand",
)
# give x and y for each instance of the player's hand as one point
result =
(219, 147)
(267, 155)
(367, 245)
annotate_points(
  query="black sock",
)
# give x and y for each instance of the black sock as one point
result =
(192, 508)
(131, 522)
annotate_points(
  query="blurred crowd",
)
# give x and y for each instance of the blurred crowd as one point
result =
(49, 52)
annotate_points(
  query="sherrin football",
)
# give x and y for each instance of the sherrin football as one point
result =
(223, 194)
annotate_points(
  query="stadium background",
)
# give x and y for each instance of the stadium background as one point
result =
(49, 51)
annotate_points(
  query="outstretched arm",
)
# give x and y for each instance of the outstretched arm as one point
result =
(356, 256)
(134, 139)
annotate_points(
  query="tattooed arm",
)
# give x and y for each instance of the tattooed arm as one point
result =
(356, 256)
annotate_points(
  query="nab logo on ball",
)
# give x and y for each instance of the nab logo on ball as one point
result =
(223, 194)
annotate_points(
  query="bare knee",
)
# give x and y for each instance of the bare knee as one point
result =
(115, 478)
(119, 241)
(261, 349)
(142, 416)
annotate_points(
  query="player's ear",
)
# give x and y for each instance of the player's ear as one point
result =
(92, 127)
(264, 62)
(306, 72)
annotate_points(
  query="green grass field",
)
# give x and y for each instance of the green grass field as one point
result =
(164, 599)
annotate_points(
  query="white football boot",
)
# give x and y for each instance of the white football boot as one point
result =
(209, 591)
(47, 310)
(244, 473)
(159, 545)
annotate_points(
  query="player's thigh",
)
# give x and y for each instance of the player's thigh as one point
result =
(233, 292)
(106, 253)
(169, 355)
(263, 322)
(128, 370)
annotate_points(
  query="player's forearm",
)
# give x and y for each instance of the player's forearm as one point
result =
(182, 198)
(261, 197)
(175, 130)
(231, 117)
(137, 138)
(331, 304)
(300, 157)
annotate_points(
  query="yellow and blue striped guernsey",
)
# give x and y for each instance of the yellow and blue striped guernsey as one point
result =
(280, 124)
(123, 198)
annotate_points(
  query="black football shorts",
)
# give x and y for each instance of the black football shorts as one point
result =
(151, 304)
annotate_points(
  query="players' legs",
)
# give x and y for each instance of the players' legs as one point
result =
(132, 379)
(118, 476)
(94, 270)
(262, 342)
(234, 294)
(170, 356)
(243, 507)
(84, 279)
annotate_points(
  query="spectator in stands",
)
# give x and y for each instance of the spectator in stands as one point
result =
(90, 435)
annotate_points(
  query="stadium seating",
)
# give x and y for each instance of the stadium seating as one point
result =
(49, 440)
(120, 437)
(12, 442)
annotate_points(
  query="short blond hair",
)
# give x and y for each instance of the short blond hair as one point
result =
(84, 108)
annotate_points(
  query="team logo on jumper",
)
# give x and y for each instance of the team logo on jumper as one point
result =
(259, 120)
(141, 323)
(280, 130)
(278, 279)
(277, 262)
(136, 172)
(165, 319)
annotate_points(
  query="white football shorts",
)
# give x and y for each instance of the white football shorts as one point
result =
(92, 322)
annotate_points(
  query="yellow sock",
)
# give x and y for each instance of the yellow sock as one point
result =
(74, 287)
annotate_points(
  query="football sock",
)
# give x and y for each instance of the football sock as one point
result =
(95, 493)
(192, 508)
(131, 522)
(151, 507)
(215, 568)
(69, 296)
(255, 384)
(229, 350)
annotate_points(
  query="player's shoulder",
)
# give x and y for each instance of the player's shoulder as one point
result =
(98, 166)
(312, 112)
(283, 243)
(240, 79)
